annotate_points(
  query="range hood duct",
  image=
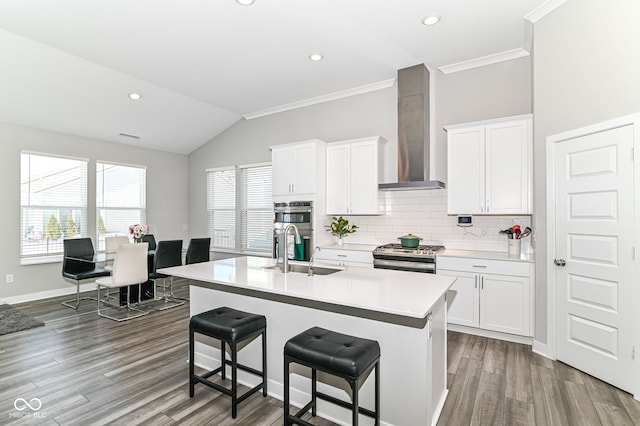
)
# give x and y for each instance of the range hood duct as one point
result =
(413, 132)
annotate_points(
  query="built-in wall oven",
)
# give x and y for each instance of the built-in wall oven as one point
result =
(299, 213)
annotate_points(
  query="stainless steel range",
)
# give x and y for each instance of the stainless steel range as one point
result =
(394, 256)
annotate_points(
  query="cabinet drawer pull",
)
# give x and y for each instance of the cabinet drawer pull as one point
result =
(342, 255)
(479, 266)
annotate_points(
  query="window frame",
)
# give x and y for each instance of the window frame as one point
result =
(240, 207)
(100, 239)
(82, 206)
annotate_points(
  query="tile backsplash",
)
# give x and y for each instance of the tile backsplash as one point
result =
(424, 213)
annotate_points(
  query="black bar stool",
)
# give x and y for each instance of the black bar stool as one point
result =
(349, 357)
(230, 327)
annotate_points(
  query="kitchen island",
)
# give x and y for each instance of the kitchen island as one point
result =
(404, 311)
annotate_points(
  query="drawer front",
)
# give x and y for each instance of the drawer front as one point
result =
(338, 255)
(482, 266)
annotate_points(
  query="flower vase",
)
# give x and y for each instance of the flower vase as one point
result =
(340, 241)
(137, 239)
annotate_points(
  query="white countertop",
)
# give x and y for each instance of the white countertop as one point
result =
(488, 255)
(409, 294)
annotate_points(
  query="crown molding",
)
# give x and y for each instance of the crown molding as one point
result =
(485, 60)
(320, 99)
(543, 10)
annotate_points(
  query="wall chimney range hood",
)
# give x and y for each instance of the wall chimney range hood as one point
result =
(413, 132)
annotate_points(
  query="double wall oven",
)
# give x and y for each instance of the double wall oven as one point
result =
(299, 213)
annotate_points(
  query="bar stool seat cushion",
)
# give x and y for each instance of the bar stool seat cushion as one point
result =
(227, 324)
(333, 352)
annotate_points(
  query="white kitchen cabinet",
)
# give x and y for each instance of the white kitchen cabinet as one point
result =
(489, 166)
(344, 257)
(297, 167)
(489, 294)
(354, 169)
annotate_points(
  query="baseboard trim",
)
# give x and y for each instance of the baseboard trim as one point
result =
(542, 349)
(491, 334)
(30, 297)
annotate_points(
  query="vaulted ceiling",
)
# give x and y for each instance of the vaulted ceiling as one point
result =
(201, 65)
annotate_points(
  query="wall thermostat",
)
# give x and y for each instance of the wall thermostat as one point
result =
(465, 220)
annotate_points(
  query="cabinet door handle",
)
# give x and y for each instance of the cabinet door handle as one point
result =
(478, 266)
(475, 281)
(481, 283)
(342, 255)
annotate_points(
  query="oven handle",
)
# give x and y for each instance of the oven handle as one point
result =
(391, 264)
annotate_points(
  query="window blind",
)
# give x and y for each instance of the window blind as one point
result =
(120, 199)
(53, 202)
(221, 207)
(240, 207)
(256, 215)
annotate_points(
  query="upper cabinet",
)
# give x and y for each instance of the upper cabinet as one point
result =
(354, 169)
(298, 168)
(489, 166)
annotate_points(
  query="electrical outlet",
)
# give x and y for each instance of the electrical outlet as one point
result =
(9, 278)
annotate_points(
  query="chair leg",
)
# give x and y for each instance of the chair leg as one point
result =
(287, 422)
(314, 376)
(264, 362)
(192, 382)
(74, 304)
(354, 391)
(234, 380)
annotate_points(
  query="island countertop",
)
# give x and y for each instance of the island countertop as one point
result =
(407, 294)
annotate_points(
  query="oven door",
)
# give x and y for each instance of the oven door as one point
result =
(405, 265)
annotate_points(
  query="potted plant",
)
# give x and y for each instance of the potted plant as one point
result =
(339, 227)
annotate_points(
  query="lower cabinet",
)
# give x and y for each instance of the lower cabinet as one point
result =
(343, 257)
(489, 294)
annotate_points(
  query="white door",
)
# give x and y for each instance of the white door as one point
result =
(594, 241)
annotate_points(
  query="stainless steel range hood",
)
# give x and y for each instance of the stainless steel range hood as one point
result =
(413, 132)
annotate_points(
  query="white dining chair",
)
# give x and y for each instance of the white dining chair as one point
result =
(111, 247)
(129, 268)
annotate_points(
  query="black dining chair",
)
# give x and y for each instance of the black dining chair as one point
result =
(167, 254)
(78, 265)
(198, 250)
(149, 238)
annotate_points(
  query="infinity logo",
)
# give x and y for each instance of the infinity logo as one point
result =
(21, 404)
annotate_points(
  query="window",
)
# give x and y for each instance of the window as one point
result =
(120, 199)
(240, 216)
(256, 215)
(53, 202)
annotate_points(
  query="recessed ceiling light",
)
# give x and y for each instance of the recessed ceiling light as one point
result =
(135, 96)
(316, 57)
(245, 2)
(430, 20)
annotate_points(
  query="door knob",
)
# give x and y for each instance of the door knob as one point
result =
(560, 262)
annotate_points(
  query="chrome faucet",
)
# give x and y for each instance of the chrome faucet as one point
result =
(285, 256)
(310, 271)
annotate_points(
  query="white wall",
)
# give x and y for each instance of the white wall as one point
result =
(167, 207)
(586, 69)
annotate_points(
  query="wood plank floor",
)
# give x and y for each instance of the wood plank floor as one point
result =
(492, 382)
(90, 370)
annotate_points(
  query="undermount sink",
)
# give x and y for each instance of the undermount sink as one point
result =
(304, 269)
